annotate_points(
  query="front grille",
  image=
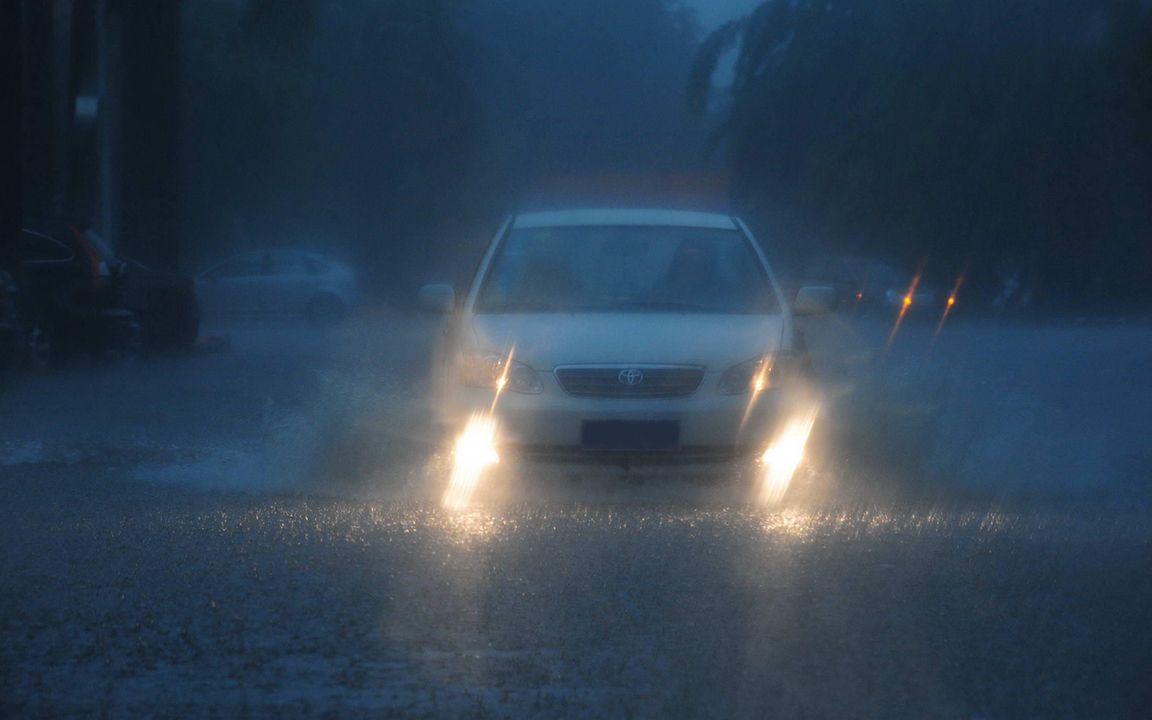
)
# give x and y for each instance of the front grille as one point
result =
(623, 381)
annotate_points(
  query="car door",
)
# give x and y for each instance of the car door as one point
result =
(49, 271)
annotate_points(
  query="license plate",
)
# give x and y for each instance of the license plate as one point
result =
(630, 435)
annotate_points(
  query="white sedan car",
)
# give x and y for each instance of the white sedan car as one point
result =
(621, 331)
(277, 282)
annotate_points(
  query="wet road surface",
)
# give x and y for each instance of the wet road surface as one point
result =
(259, 533)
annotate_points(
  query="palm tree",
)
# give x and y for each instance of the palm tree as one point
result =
(773, 91)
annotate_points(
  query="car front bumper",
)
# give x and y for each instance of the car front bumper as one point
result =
(705, 425)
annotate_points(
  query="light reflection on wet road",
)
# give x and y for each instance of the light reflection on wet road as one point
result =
(567, 592)
(594, 609)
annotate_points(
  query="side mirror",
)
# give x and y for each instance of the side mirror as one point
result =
(814, 300)
(438, 298)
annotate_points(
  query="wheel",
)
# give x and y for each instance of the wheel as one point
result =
(326, 309)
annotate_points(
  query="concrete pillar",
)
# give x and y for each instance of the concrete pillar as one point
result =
(11, 23)
(146, 119)
(60, 106)
(36, 124)
(109, 34)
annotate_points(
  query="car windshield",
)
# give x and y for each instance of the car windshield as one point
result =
(627, 269)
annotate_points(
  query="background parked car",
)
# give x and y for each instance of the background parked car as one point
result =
(164, 303)
(68, 298)
(861, 283)
(278, 282)
(926, 296)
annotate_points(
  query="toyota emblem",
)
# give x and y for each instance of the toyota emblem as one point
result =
(631, 376)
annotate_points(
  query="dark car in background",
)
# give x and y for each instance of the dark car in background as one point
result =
(75, 295)
(923, 297)
(862, 284)
(164, 303)
(69, 302)
(868, 286)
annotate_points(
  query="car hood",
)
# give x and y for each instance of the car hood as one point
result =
(546, 340)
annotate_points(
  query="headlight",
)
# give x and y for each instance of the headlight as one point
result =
(492, 372)
(758, 374)
(749, 376)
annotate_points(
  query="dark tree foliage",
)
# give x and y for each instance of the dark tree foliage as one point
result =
(342, 124)
(401, 129)
(1004, 134)
(584, 87)
(11, 180)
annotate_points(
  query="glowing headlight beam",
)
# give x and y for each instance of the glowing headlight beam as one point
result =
(502, 381)
(760, 382)
(783, 457)
(906, 302)
(950, 303)
(474, 452)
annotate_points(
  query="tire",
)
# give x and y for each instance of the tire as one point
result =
(327, 310)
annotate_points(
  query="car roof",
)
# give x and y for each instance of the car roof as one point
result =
(621, 216)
